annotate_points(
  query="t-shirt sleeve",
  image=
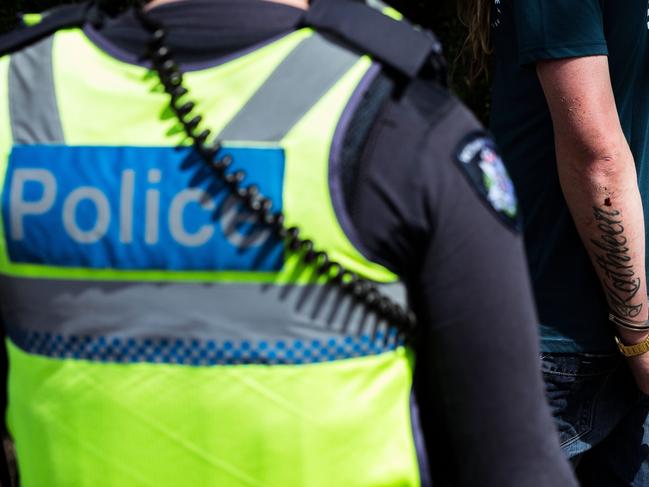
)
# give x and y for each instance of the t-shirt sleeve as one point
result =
(556, 29)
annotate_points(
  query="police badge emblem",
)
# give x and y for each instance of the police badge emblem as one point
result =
(479, 160)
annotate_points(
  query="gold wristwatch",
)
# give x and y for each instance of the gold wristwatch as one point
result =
(633, 350)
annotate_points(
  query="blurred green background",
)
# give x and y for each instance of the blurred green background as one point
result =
(439, 15)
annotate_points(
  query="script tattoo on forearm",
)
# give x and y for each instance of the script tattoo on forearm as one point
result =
(614, 260)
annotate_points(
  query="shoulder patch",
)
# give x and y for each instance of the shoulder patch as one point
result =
(479, 160)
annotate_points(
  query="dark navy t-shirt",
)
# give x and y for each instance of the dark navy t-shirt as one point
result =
(571, 304)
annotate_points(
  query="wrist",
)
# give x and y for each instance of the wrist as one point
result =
(638, 324)
(631, 337)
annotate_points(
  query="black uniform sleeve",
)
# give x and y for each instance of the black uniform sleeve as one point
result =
(478, 383)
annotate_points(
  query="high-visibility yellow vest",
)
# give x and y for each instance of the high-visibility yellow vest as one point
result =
(156, 335)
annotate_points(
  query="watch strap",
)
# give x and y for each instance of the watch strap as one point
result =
(633, 350)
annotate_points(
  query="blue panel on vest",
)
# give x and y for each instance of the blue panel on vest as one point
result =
(137, 208)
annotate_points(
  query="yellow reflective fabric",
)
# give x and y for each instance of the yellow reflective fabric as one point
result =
(392, 12)
(88, 424)
(32, 19)
(93, 82)
(306, 188)
(89, 81)
(343, 423)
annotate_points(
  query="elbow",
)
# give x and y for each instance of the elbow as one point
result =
(605, 165)
(601, 160)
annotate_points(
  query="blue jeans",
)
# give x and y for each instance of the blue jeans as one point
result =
(601, 416)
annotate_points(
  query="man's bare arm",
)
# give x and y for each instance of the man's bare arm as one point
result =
(598, 178)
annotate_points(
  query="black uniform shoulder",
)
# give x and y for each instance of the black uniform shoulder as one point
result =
(426, 151)
(456, 144)
(424, 114)
(430, 102)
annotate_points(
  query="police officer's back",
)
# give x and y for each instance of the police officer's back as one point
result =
(181, 313)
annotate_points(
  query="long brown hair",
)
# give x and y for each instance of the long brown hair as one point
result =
(475, 15)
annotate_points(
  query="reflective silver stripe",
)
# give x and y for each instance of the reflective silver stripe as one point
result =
(183, 310)
(295, 86)
(377, 4)
(32, 97)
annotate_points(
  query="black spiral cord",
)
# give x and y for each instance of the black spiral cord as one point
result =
(362, 290)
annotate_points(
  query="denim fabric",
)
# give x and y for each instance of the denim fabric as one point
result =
(601, 416)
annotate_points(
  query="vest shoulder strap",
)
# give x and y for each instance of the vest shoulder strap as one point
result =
(395, 43)
(58, 18)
